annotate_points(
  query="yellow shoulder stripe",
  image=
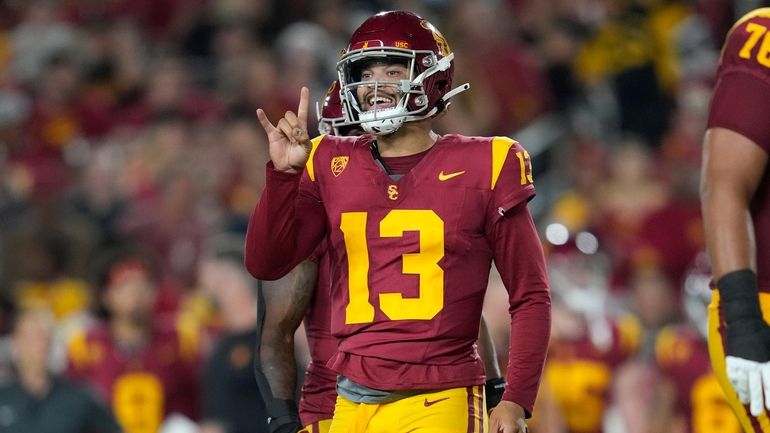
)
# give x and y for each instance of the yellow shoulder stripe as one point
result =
(309, 166)
(500, 148)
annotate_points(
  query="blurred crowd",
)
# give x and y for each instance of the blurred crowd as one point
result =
(127, 132)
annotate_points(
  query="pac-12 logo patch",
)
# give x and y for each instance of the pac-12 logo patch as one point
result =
(338, 164)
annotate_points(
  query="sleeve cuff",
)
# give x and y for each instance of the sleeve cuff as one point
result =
(280, 176)
(512, 397)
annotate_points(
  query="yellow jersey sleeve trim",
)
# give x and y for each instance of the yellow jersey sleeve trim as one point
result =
(500, 148)
(309, 166)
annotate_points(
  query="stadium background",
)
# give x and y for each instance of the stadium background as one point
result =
(133, 120)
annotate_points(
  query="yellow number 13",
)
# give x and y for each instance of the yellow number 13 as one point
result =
(423, 263)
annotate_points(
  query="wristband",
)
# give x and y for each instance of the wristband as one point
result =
(745, 331)
(740, 299)
(493, 391)
(282, 416)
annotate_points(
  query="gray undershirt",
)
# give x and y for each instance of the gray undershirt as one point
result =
(358, 393)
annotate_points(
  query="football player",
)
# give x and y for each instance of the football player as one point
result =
(735, 199)
(143, 365)
(305, 291)
(412, 222)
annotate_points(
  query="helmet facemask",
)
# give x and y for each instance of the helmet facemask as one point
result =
(412, 102)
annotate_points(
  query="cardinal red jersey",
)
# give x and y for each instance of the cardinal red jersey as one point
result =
(410, 258)
(319, 392)
(143, 386)
(579, 373)
(741, 103)
(682, 356)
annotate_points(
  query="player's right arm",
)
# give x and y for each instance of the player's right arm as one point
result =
(285, 225)
(733, 165)
(285, 302)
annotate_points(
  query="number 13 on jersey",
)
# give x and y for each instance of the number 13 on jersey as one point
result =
(423, 263)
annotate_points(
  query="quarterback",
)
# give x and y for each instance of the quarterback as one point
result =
(305, 290)
(412, 222)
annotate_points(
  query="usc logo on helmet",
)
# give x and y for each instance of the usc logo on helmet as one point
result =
(401, 44)
(441, 43)
(331, 88)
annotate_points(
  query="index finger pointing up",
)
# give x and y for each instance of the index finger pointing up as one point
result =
(304, 96)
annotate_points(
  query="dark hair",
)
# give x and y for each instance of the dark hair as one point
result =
(107, 263)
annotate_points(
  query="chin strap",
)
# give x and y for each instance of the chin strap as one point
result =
(456, 91)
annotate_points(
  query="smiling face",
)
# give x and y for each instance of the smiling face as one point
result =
(385, 95)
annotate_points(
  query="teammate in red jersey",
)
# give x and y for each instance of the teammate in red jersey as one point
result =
(412, 221)
(735, 195)
(305, 290)
(143, 367)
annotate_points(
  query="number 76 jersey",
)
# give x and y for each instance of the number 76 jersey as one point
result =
(410, 258)
(740, 103)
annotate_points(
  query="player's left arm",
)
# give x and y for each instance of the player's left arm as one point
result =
(285, 302)
(732, 169)
(519, 258)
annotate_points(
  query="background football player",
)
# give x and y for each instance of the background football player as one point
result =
(138, 361)
(735, 202)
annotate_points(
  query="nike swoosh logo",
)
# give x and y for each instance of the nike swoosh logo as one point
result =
(442, 176)
(431, 403)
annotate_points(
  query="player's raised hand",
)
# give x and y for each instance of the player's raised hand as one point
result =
(288, 139)
(507, 417)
